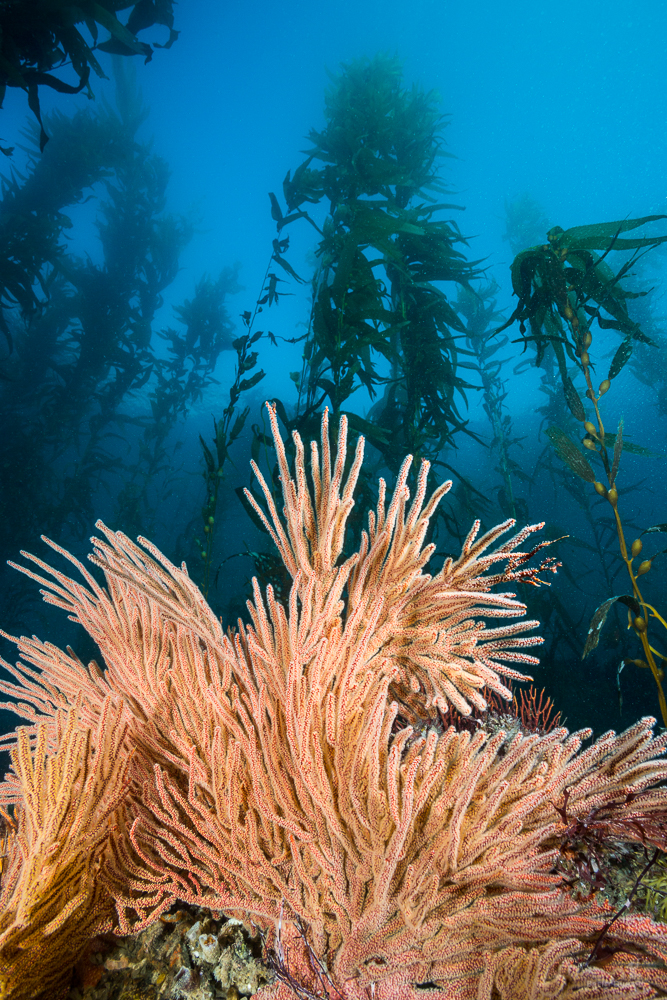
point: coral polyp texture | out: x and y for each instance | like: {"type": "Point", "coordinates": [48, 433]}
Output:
{"type": "Point", "coordinates": [295, 772]}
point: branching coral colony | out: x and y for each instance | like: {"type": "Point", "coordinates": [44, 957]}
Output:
{"type": "Point", "coordinates": [261, 771]}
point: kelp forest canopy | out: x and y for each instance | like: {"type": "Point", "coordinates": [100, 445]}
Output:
{"type": "Point", "coordinates": [37, 42]}
{"type": "Point", "coordinates": [387, 245]}
{"type": "Point", "coordinates": [106, 409]}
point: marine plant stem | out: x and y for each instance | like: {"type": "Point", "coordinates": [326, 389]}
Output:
{"type": "Point", "coordinates": [638, 623]}
{"type": "Point", "coordinates": [639, 630]}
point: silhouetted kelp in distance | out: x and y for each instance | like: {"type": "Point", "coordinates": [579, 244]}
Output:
{"type": "Point", "coordinates": [526, 222]}
{"type": "Point", "coordinates": [226, 431]}
{"type": "Point", "coordinates": [86, 148]}
{"type": "Point", "coordinates": [478, 309]}
{"type": "Point", "coordinates": [85, 347]}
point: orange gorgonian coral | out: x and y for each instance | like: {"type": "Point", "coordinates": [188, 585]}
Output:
{"type": "Point", "coordinates": [263, 773]}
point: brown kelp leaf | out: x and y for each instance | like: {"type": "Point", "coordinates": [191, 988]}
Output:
{"type": "Point", "coordinates": [600, 236]}
{"type": "Point", "coordinates": [573, 399]}
{"type": "Point", "coordinates": [119, 32]}
{"type": "Point", "coordinates": [276, 210]}
{"type": "Point", "coordinates": [570, 454]}
{"type": "Point", "coordinates": [632, 449]}
{"type": "Point", "coordinates": [249, 383]}
{"type": "Point", "coordinates": [239, 423]}
{"type": "Point", "coordinates": [621, 357]}
{"type": "Point", "coordinates": [600, 617]}
{"type": "Point", "coordinates": [210, 464]}
{"type": "Point", "coordinates": [286, 266]}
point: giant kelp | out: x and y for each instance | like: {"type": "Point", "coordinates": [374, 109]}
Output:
{"type": "Point", "coordinates": [547, 280]}
{"type": "Point", "coordinates": [564, 288]}
{"type": "Point", "coordinates": [83, 343]}
{"type": "Point", "coordinates": [380, 318]}
{"type": "Point", "coordinates": [33, 44]}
